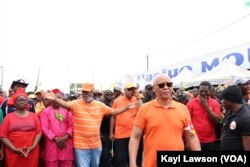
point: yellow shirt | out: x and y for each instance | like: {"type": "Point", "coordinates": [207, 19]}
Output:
{"type": "Point", "coordinates": [39, 107]}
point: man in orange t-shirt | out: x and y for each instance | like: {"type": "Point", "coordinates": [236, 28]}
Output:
{"type": "Point", "coordinates": [123, 124]}
{"type": "Point", "coordinates": [87, 115]}
{"type": "Point", "coordinates": [163, 122]}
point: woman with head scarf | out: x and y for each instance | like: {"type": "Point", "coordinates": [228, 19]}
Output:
{"type": "Point", "coordinates": [21, 132]}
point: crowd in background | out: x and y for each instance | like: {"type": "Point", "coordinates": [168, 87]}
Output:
{"type": "Point", "coordinates": [123, 126]}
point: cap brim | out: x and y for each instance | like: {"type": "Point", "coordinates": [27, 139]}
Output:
{"type": "Point", "coordinates": [130, 87]}
{"type": "Point", "coordinates": [38, 92]}
{"type": "Point", "coordinates": [86, 90]}
{"type": "Point", "coordinates": [16, 83]}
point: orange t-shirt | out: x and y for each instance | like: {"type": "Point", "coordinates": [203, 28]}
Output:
{"type": "Point", "coordinates": [124, 122]}
{"type": "Point", "coordinates": [87, 121]}
{"type": "Point", "coordinates": [163, 128]}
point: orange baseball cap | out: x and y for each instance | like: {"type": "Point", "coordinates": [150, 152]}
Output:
{"type": "Point", "coordinates": [88, 87]}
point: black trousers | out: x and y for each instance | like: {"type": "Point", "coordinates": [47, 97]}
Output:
{"type": "Point", "coordinates": [105, 160]}
{"type": "Point", "coordinates": [209, 146]}
{"type": "Point", "coordinates": [121, 155]}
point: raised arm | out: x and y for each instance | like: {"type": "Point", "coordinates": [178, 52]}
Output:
{"type": "Point", "coordinates": [125, 108]}
{"type": "Point", "coordinates": [52, 96]}
{"type": "Point", "coordinates": [215, 115]}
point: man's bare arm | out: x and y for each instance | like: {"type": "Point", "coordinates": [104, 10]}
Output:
{"type": "Point", "coordinates": [192, 140]}
{"type": "Point", "coordinates": [134, 144]}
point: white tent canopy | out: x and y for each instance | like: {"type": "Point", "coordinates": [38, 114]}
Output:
{"type": "Point", "coordinates": [224, 73]}
{"type": "Point", "coordinates": [184, 78]}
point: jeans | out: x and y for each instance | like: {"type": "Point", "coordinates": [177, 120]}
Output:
{"type": "Point", "coordinates": [88, 157]}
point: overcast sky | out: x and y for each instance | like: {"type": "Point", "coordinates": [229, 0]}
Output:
{"type": "Point", "coordinates": [101, 41]}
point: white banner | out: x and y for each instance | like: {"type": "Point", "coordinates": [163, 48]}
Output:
{"type": "Point", "coordinates": [239, 55]}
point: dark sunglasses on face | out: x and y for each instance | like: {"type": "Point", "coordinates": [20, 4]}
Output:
{"type": "Point", "coordinates": [85, 92]}
{"type": "Point", "coordinates": [131, 89]}
{"type": "Point", "coordinates": [162, 85]}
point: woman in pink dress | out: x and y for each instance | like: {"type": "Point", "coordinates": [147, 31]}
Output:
{"type": "Point", "coordinates": [57, 127]}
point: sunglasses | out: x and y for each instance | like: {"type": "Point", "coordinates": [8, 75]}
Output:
{"type": "Point", "coordinates": [131, 89]}
{"type": "Point", "coordinates": [162, 85]}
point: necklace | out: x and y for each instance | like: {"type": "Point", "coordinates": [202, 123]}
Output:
{"type": "Point", "coordinates": [58, 115]}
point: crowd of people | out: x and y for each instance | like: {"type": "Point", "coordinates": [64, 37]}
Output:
{"type": "Point", "coordinates": [121, 127]}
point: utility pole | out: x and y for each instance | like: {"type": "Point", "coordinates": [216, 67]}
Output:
{"type": "Point", "coordinates": [1, 76]}
{"type": "Point", "coordinates": [147, 62]}
{"type": "Point", "coordinates": [37, 80]}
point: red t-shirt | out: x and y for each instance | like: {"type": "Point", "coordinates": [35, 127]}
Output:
{"type": "Point", "coordinates": [203, 126]}
{"type": "Point", "coordinates": [1, 100]}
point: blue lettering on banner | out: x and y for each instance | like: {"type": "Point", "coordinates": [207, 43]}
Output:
{"type": "Point", "coordinates": [188, 67]}
{"type": "Point", "coordinates": [205, 65]}
{"type": "Point", "coordinates": [175, 73]}
{"type": "Point", "coordinates": [164, 71]}
{"type": "Point", "coordinates": [200, 66]}
{"type": "Point", "coordinates": [239, 58]}
{"type": "Point", "coordinates": [148, 77]}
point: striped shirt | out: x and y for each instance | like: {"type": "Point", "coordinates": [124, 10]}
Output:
{"type": "Point", "coordinates": [87, 121]}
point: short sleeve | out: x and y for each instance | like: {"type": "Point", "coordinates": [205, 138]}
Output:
{"type": "Point", "coordinates": [187, 119]}
{"type": "Point", "coordinates": [140, 119]}
{"type": "Point", "coordinates": [245, 130]}
{"type": "Point", "coordinates": [216, 107]}
{"type": "Point", "coordinates": [106, 109]}
{"type": "Point", "coordinates": [72, 105]}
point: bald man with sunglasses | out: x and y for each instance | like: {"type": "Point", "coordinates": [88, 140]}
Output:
{"type": "Point", "coordinates": [163, 122]}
